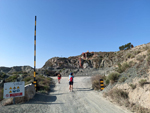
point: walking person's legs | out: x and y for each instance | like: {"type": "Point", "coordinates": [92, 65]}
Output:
{"type": "Point", "coordinates": [71, 87]}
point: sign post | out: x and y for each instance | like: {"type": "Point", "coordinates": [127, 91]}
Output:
{"type": "Point", "coordinates": [14, 89]}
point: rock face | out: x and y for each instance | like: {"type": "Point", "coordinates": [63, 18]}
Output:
{"type": "Point", "coordinates": [60, 63]}
{"type": "Point", "coordinates": [99, 59]}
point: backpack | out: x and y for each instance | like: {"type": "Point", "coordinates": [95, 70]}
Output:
{"type": "Point", "coordinates": [71, 79]}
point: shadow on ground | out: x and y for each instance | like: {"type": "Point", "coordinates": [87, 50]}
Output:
{"type": "Point", "coordinates": [42, 99]}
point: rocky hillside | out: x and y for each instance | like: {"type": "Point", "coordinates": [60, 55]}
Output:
{"type": "Point", "coordinates": [132, 66]}
{"type": "Point", "coordinates": [27, 69]}
{"type": "Point", "coordinates": [128, 80]}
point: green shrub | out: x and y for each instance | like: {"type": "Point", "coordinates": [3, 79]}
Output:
{"type": "Point", "coordinates": [3, 75]}
{"type": "Point", "coordinates": [123, 67]}
{"type": "Point", "coordinates": [43, 83]}
{"type": "Point", "coordinates": [123, 79]}
{"type": "Point", "coordinates": [113, 77]}
{"type": "Point", "coordinates": [125, 47]}
{"type": "Point", "coordinates": [28, 78]}
{"type": "Point", "coordinates": [107, 81]}
{"type": "Point", "coordinates": [142, 82]}
{"type": "Point", "coordinates": [132, 86]}
{"type": "Point", "coordinates": [12, 78]}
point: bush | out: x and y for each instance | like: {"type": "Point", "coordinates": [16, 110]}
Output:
{"type": "Point", "coordinates": [139, 109]}
{"type": "Point", "coordinates": [148, 59]}
{"type": "Point", "coordinates": [140, 58]}
{"type": "Point", "coordinates": [12, 78]}
{"type": "Point", "coordinates": [43, 84]}
{"type": "Point", "coordinates": [142, 82]}
{"type": "Point", "coordinates": [129, 55]}
{"type": "Point", "coordinates": [113, 77]}
{"type": "Point", "coordinates": [131, 63]}
{"type": "Point", "coordinates": [132, 86]}
{"type": "Point", "coordinates": [126, 46]}
{"type": "Point", "coordinates": [123, 67]}
{"type": "Point", "coordinates": [107, 82]}
{"type": "Point", "coordinates": [137, 52]}
{"type": "Point", "coordinates": [119, 96]}
{"type": "Point", "coordinates": [28, 79]}
{"type": "Point", "coordinates": [148, 52]}
{"type": "Point", "coordinates": [146, 47]}
{"type": "Point", "coordinates": [123, 79]}
{"type": "Point", "coordinates": [95, 81]}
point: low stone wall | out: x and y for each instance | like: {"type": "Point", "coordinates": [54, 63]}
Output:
{"type": "Point", "coordinates": [29, 91]}
{"type": "Point", "coordinates": [29, 94]}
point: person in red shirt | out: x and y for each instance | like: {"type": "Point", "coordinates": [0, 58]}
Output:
{"type": "Point", "coordinates": [59, 77]}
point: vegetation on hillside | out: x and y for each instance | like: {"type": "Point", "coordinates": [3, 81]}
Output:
{"type": "Point", "coordinates": [126, 46]}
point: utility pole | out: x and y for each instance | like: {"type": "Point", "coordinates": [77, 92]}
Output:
{"type": "Point", "coordinates": [35, 81]}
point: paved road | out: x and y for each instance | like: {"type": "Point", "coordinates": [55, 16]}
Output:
{"type": "Point", "coordinates": [60, 100]}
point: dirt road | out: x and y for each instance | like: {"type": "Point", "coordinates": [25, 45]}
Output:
{"type": "Point", "coordinates": [60, 100]}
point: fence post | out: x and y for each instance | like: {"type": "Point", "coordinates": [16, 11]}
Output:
{"type": "Point", "coordinates": [101, 84]}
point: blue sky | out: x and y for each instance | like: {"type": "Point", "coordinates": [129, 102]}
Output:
{"type": "Point", "coordinates": [69, 27]}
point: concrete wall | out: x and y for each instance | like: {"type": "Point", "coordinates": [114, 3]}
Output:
{"type": "Point", "coordinates": [29, 91]}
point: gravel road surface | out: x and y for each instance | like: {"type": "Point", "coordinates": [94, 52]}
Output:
{"type": "Point", "coordinates": [60, 100]}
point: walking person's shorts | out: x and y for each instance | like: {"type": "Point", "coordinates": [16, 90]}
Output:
{"type": "Point", "coordinates": [70, 83]}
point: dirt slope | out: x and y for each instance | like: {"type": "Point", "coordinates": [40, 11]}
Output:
{"type": "Point", "coordinates": [60, 100]}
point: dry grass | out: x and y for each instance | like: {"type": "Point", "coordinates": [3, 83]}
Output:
{"type": "Point", "coordinates": [138, 108]}
{"type": "Point", "coordinates": [43, 83]}
{"type": "Point", "coordinates": [148, 59]}
{"type": "Point", "coordinates": [129, 55]}
{"type": "Point", "coordinates": [123, 67]}
{"type": "Point", "coordinates": [131, 63]}
{"type": "Point", "coordinates": [119, 96]}
{"type": "Point", "coordinates": [142, 82]}
{"type": "Point", "coordinates": [148, 52]}
{"type": "Point", "coordinates": [132, 86]}
{"type": "Point", "coordinates": [137, 52]}
{"type": "Point", "coordinates": [113, 77]}
{"type": "Point", "coordinates": [123, 79]}
{"type": "Point", "coordinates": [140, 58]}
{"type": "Point", "coordinates": [95, 81]}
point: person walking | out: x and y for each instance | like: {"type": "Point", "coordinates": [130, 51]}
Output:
{"type": "Point", "coordinates": [59, 77]}
{"type": "Point", "coordinates": [71, 82]}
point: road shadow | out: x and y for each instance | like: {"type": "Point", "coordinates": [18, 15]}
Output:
{"type": "Point", "coordinates": [42, 99]}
